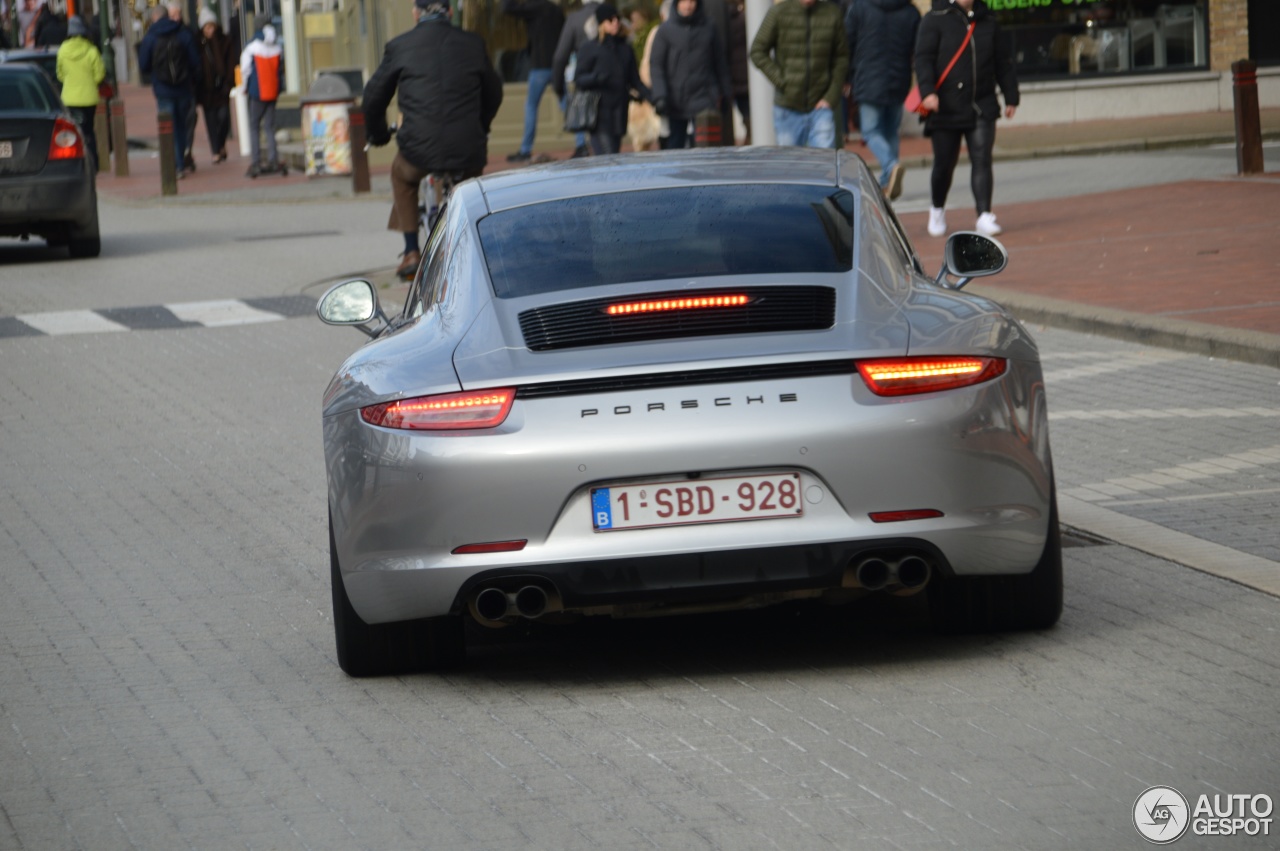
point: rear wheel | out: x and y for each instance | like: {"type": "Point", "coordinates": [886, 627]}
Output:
{"type": "Point", "coordinates": [404, 647]}
{"type": "Point", "coordinates": [999, 603]}
{"type": "Point", "coordinates": [83, 240]}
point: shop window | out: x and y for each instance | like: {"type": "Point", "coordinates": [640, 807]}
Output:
{"type": "Point", "coordinates": [1264, 25]}
{"type": "Point", "coordinates": [1068, 38]}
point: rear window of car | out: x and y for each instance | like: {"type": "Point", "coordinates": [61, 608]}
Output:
{"type": "Point", "coordinates": [25, 92]}
{"type": "Point", "coordinates": [664, 234]}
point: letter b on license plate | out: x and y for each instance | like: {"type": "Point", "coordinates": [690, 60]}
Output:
{"type": "Point", "coordinates": [691, 501]}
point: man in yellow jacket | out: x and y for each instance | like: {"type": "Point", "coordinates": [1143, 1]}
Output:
{"type": "Point", "coordinates": [80, 69]}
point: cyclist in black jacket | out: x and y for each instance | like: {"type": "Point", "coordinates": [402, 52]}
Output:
{"type": "Point", "coordinates": [448, 94]}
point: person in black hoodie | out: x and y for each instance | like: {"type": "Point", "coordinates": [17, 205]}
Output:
{"type": "Point", "coordinates": [964, 107]}
{"type": "Point", "coordinates": [608, 65]}
{"type": "Point", "coordinates": [882, 37]}
{"type": "Point", "coordinates": [51, 25]}
{"type": "Point", "coordinates": [219, 58]}
{"type": "Point", "coordinates": [544, 21]}
{"type": "Point", "coordinates": [448, 93]}
{"type": "Point", "coordinates": [689, 70]}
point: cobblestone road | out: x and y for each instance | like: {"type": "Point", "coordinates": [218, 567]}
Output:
{"type": "Point", "coordinates": [167, 677]}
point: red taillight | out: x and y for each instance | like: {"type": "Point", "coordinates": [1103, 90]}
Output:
{"type": "Point", "coordinates": [490, 547]}
{"type": "Point", "coordinates": [479, 409]}
{"type": "Point", "coordinates": [66, 143]}
{"type": "Point", "coordinates": [901, 516]}
{"type": "Point", "coordinates": [907, 376]}
{"type": "Point", "coordinates": [664, 304]}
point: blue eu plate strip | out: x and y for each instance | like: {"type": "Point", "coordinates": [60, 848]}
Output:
{"type": "Point", "coordinates": [601, 511]}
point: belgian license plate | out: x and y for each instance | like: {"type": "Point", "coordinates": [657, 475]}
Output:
{"type": "Point", "coordinates": [696, 501]}
{"type": "Point", "coordinates": [6, 150]}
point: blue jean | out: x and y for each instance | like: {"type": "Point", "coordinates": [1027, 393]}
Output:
{"type": "Point", "coordinates": [815, 129]}
{"type": "Point", "coordinates": [178, 107]}
{"type": "Point", "coordinates": [879, 125]}
{"type": "Point", "coordinates": [539, 79]}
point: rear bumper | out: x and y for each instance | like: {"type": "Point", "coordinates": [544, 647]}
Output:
{"type": "Point", "coordinates": [651, 584]}
{"type": "Point", "coordinates": [60, 195]}
{"type": "Point", "coordinates": [401, 503]}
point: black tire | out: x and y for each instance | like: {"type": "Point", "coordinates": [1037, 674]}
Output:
{"type": "Point", "coordinates": [83, 240]}
{"type": "Point", "coordinates": [404, 647]}
{"type": "Point", "coordinates": [1003, 603]}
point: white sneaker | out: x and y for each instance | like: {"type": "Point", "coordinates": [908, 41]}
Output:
{"type": "Point", "coordinates": [937, 221]}
{"type": "Point", "coordinates": [987, 224]}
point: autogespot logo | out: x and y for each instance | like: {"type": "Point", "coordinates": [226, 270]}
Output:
{"type": "Point", "coordinates": [1161, 815]}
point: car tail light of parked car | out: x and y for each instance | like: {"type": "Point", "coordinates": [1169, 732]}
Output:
{"type": "Point", "coordinates": [66, 144]}
{"type": "Point", "coordinates": [909, 376]}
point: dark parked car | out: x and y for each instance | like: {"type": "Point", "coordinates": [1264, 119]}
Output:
{"type": "Point", "coordinates": [674, 383]}
{"type": "Point", "coordinates": [45, 57]}
{"type": "Point", "coordinates": [46, 181]}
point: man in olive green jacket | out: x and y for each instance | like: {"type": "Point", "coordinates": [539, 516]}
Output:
{"type": "Point", "coordinates": [801, 48]}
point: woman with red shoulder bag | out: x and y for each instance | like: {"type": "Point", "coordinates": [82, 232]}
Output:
{"type": "Point", "coordinates": [963, 36]}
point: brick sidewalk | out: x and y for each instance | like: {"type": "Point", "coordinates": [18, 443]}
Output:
{"type": "Point", "coordinates": [1203, 251]}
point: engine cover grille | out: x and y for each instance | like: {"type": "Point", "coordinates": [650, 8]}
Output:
{"type": "Point", "coordinates": [586, 323]}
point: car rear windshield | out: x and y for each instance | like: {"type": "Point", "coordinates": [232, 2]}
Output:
{"type": "Point", "coordinates": [662, 234]}
{"type": "Point", "coordinates": [24, 93]}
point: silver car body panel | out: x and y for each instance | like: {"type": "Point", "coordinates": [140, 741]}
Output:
{"type": "Point", "coordinates": [402, 501]}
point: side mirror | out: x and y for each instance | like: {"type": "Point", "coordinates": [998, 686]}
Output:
{"type": "Point", "coordinates": [971, 255]}
{"type": "Point", "coordinates": [351, 303]}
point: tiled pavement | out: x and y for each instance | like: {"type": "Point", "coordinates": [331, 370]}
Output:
{"type": "Point", "coordinates": [1191, 475]}
{"type": "Point", "coordinates": [167, 676]}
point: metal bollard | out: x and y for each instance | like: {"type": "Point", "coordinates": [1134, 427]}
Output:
{"type": "Point", "coordinates": [1244, 75]}
{"type": "Point", "coordinates": [359, 150]}
{"type": "Point", "coordinates": [120, 135]}
{"type": "Point", "coordinates": [168, 171]}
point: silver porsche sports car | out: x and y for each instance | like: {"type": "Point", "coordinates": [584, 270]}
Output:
{"type": "Point", "coordinates": [675, 383]}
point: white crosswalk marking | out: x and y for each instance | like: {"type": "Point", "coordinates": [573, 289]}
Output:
{"type": "Point", "coordinates": [1172, 477]}
{"type": "Point", "coordinates": [70, 322]}
{"type": "Point", "coordinates": [1110, 362]}
{"type": "Point", "coordinates": [214, 314]}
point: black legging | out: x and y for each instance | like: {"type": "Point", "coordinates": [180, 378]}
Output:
{"type": "Point", "coordinates": [604, 142]}
{"type": "Point", "coordinates": [946, 153]}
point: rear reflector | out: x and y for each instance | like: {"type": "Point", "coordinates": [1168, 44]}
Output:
{"type": "Point", "coordinates": [490, 547]}
{"type": "Point", "coordinates": [479, 409]}
{"type": "Point", "coordinates": [907, 376]}
{"type": "Point", "coordinates": [658, 306]}
{"type": "Point", "coordinates": [900, 516]}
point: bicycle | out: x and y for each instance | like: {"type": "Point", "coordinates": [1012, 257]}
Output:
{"type": "Point", "coordinates": [433, 195]}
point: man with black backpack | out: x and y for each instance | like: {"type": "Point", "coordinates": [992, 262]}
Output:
{"type": "Point", "coordinates": [168, 53]}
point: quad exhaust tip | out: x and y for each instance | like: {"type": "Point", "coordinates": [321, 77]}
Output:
{"type": "Point", "coordinates": [903, 576]}
{"type": "Point", "coordinates": [873, 573]}
{"type": "Point", "coordinates": [493, 605]}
